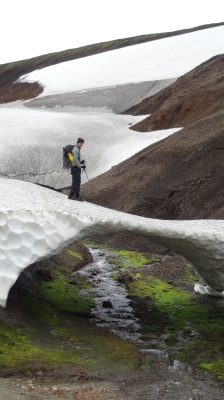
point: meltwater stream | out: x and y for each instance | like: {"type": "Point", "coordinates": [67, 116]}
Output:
{"type": "Point", "coordinates": [113, 309]}
{"type": "Point", "coordinates": [163, 376]}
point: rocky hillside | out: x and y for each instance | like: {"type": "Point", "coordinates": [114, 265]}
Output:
{"type": "Point", "coordinates": [190, 98]}
{"type": "Point", "coordinates": [180, 177]}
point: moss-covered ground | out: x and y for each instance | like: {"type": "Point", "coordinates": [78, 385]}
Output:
{"type": "Point", "coordinates": [192, 324]}
{"type": "Point", "coordinates": [194, 328]}
{"type": "Point", "coordinates": [47, 325]}
{"type": "Point", "coordinates": [50, 339]}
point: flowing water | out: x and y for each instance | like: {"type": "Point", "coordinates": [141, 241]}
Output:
{"type": "Point", "coordinates": [110, 356]}
{"type": "Point", "coordinates": [167, 378]}
{"type": "Point", "coordinates": [113, 309]}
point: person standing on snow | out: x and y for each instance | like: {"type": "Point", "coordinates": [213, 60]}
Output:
{"type": "Point", "coordinates": [76, 170]}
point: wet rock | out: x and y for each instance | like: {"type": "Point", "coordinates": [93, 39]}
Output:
{"type": "Point", "coordinates": [107, 304]}
{"type": "Point", "coordinates": [73, 282]}
{"type": "Point", "coordinates": [29, 374]}
{"type": "Point", "coordinates": [126, 277]}
{"type": "Point", "coordinates": [39, 374]}
{"type": "Point", "coordinates": [45, 274]}
{"type": "Point", "coordinates": [94, 272]}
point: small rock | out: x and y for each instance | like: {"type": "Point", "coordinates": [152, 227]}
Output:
{"type": "Point", "coordinates": [126, 277]}
{"type": "Point", "coordinates": [107, 304]}
{"type": "Point", "coordinates": [39, 374]}
{"type": "Point", "coordinates": [29, 374]}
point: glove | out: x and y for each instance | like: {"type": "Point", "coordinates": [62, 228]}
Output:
{"type": "Point", "coordinates": [82, 162]}
{"type": "Point", "coordinates": [83, 166]}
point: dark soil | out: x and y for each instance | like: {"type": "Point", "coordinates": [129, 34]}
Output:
{"type": "Point", "coordinates": [192, 97]}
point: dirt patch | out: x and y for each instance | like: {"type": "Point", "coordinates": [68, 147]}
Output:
{"type": "Point", "coordinates": [19, 91]}
{"type": "Point", "coordinates": [24, 388]}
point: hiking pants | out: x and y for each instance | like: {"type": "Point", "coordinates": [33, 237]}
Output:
{"type": "Point", "coordinates": [76, 181]}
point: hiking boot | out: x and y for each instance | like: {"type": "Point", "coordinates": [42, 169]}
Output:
{"type": "Point", "coordinates": [71, 197]}
{"type": "Point", "coordinates": [77, 196]}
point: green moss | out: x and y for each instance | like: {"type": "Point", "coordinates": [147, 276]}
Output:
{"type": "Point", "coordinates": [67, 297]}
{"type": "Point", "coordinates": [185, 315]}
{"type": "Point", "coordinates": [66, 291]}
{"type": "Point", "coordinates": [14, 347]}
{"type": "Point", "coordinates": [179, 304]}
{"type": "Point", "coordinates": [18, 351]}
{"type": "Point", "coordinates": [181, 355]}
{"type": "Point", "coordinates": [208, 352]}
{"type": "Point", "coordinates": [134, 259]}
{"type": "Point", "coordinates": [216, 367]}
{"type": "Point", "coordinates": [115, 260]}
{"type": "Point", "coordinates": [175, 311]}
{"type": "Point", "coordinates": [115, 276]}
{"type": "Point", "coordinates": [189, 275]}
{"type": "Point", "coordinates": [49, 339]}
{"type": "Point", "coordinates": [72, 253]}
{"type": "Point", "coordinates": [53, 332]}
{"type": "Point", "coordinates": [56, 339]}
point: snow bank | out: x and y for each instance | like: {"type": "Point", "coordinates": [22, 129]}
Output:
{"type": "Point", "coordinates": [157, 60]}
{"type": "Point", "coordinates": [36, 223]}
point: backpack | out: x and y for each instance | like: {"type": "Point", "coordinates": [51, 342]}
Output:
{"type": "Point", "coordinates": [66, 160]}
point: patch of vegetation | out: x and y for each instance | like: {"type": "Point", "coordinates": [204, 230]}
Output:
{"type": "Point", "coordinates": [49, 339]}
{"type": "Point", "coordinates": [170, 299]}
{"type": "Point", "coordinates": [115, 260]}
{"type": "Point", "coordinates": [129, 259]}
{"type": "Point", "coordinates": [67, 296]}
{"type": "Point", "coordinates": [188, 317]}
{"type": "Point", "coordinates": [134, 259]}
{"type": "Point", "coordinates": [216, 367]}
{"type": "Point", "coordinates": [15, 346]}
{"type": "Point", "coordinates": [66, 290]}
{"type": "Point", "coordinates": [189, 275]}
{"type": "Point", "coordinates": [53, 334]}
{"type": "Point", "coordinates": [74, 254]}
{"type": "Point", "coordinates": [174, 311]}
{"type": "Point", "coordinates": [53, 329]}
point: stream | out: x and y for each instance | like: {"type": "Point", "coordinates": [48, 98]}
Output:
{"type": "Point", "coordinates": [167, 377]}
{"type": "Point", "coordinates": [113, 309]}
{"type": "Point", "coordinates": [111, 355]}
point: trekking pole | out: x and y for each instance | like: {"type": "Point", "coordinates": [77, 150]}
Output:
{"type": "Point", "coordinates": [88, 180]}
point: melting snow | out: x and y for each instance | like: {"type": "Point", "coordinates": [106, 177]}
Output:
{"type": "Point", "coordinates": [43, 222]}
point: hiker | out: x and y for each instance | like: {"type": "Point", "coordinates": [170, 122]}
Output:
{"type": "Point", "coordinates": [76, 171]}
